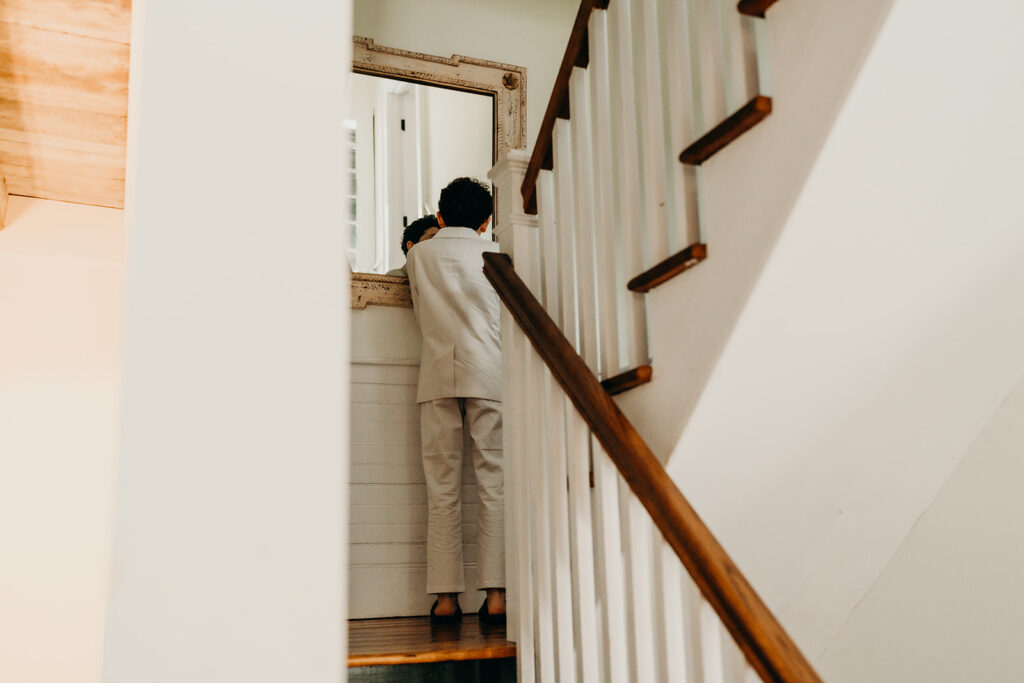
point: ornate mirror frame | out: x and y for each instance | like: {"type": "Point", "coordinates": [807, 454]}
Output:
{"type": "Point", "coordinates": [505, 83]}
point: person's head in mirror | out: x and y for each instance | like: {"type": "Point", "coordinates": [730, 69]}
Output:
{"type": "Point", "coordinates": [420, 230]}
{"type": "Point", "coordinates": [465, 203]}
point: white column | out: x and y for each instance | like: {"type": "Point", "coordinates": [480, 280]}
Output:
{"type": "Point", "coordinates": [230, 533]}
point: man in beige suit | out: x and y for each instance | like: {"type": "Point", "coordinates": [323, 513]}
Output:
{"type": "Point", "coordinates": [460, 386]}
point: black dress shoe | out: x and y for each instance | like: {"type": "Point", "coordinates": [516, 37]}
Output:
{"type": "Point", "coordinates": [490, 619]}
{"type": "Point", "coordinates": [442, 619]}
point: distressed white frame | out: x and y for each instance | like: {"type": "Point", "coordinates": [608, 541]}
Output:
{"type": "Point", "coordinates": [505, 83]}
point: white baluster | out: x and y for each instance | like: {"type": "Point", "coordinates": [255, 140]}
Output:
{"type": "Point", "coordinates": [734, 665]}
{"type": "Point", "coordinates": [612, 331]}
{"type": "Point", "coordinates": [669, 610]}
{"type": "Point", "coordinates": [711, 644]}
{"type": "Point", "coordinates": [582, 530]}
{"type": "Point", "coordinates": [706, 56]}
{"type": "Point", "coordinates": [751, 66]}
{"type": "Point", "coordinates": [692, 14]}
{"type": "Point", "coordinates": [738, 56]}
{"type": "Point", "coordinates": [653, 143]}
{"type": "Point", "coordinates": [555, 443]}
{"type": "Point", "coordinates": [586, 249]}
{"type": "Point", "coordinates": [550, 258]}
{"type": "Point", "coordinates": [520, 497]}
{"type": "Point", "coordinates": [678, 115]}
{"type": "Point", "coordinates": [535, 457]}
{"type": "Point", "coordinates": [727, 57]}
{"type": "Point", "coordinates": [575, 627]}
{"type": "Point", "coordinates": [516, 233]}
{"type": "Point", "coordinates": [609, 567]}
{"type": "Point", "coordinates": [629, 225]}
{"type": "Point", "coordinates": [558, 517]}
{"type": "Point", "coordinates": [692, 601]}
{"type": "Point", "coordinates": [762, 45]}
{"type": "Point", "coordinates": [689, 13]}
{"type": "Point", "coordinates": [518, 577]}
{"type": "Point", "coordinates": [637, 547]}
{"type": "Point", "coordinates": [565, 221]}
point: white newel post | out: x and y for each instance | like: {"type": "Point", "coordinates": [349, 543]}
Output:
{"type": "Point", "coordinates": [516, 232]}
{"type": "Point", "coordinates": [512, 225]}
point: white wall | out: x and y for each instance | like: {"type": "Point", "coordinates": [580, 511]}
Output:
{"type": "Point", "coordinates": [458, 138]}
{"type": "Point", "coordinates": [230, 533]}
{"type": "Point", "coordinates": [60, 302]}
{"type": "Point", "coordinates": [887, 323]}
{"type": "Point", "coordinates": [949, 606]}
{"type": "Point", "coordinates": [530, 33]}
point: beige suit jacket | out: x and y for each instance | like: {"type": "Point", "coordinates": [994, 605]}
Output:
{"type": "Point", "coordinates": [459, 316]}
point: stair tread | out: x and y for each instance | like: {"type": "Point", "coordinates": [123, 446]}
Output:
{"type": "Point", "coordinates": [754, 8]}
{"type": "Point", "coordinates": [624, 381]}
{"type": "Point", "coordinates": [669, 268]}
{"type": "Point", "coordinates": [748, 116]}
{"type": "Point", "coordinates": [412, 640]}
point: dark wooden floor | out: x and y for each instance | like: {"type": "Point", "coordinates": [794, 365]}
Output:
{"type": "Point", "coordinates": [412, 640]}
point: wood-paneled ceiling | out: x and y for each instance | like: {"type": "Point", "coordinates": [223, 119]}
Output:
{"type": "Point", "coordinates": [64, 98]}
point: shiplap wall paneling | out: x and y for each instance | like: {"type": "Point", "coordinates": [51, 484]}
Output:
{"type": "Point", "coordinates": [388, 523]}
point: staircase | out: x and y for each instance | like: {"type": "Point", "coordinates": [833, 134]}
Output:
{"type": "Point", "coordinates": [717, 583]}
{"type": "Point", "coordinates": [642, 77]}
{"type": "Point", "coordinates": [636, 274]}
{"type": "Point", "coordinates": [606, 209]}
{"type": "Point", "coordinates": [656, 272]}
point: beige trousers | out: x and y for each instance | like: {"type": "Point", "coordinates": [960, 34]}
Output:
{"type": "Point", "coordinates": [441, 425]}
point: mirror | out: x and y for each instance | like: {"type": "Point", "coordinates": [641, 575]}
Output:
{"type": "Point", "coordinates": [460, 115]}
{"type": "Point", "coordinates": [406, 142]}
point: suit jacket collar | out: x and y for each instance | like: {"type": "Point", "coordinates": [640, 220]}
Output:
{"type": "Point", "coordinates": [456, 232]}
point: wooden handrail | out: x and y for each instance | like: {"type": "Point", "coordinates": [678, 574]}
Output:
{"type": "Point", "coordinates": [767, 647]}
{"type": "Point", "coordinates": [577, 53]}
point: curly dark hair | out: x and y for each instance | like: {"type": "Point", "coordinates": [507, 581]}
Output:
{"type": "Point", "coordinates": [465, 203]}
{"type": "Point", "coordinates": [414, 231]}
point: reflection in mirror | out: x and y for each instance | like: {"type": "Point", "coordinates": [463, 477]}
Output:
{"type": "Point", "coordinates": [406, 142]}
